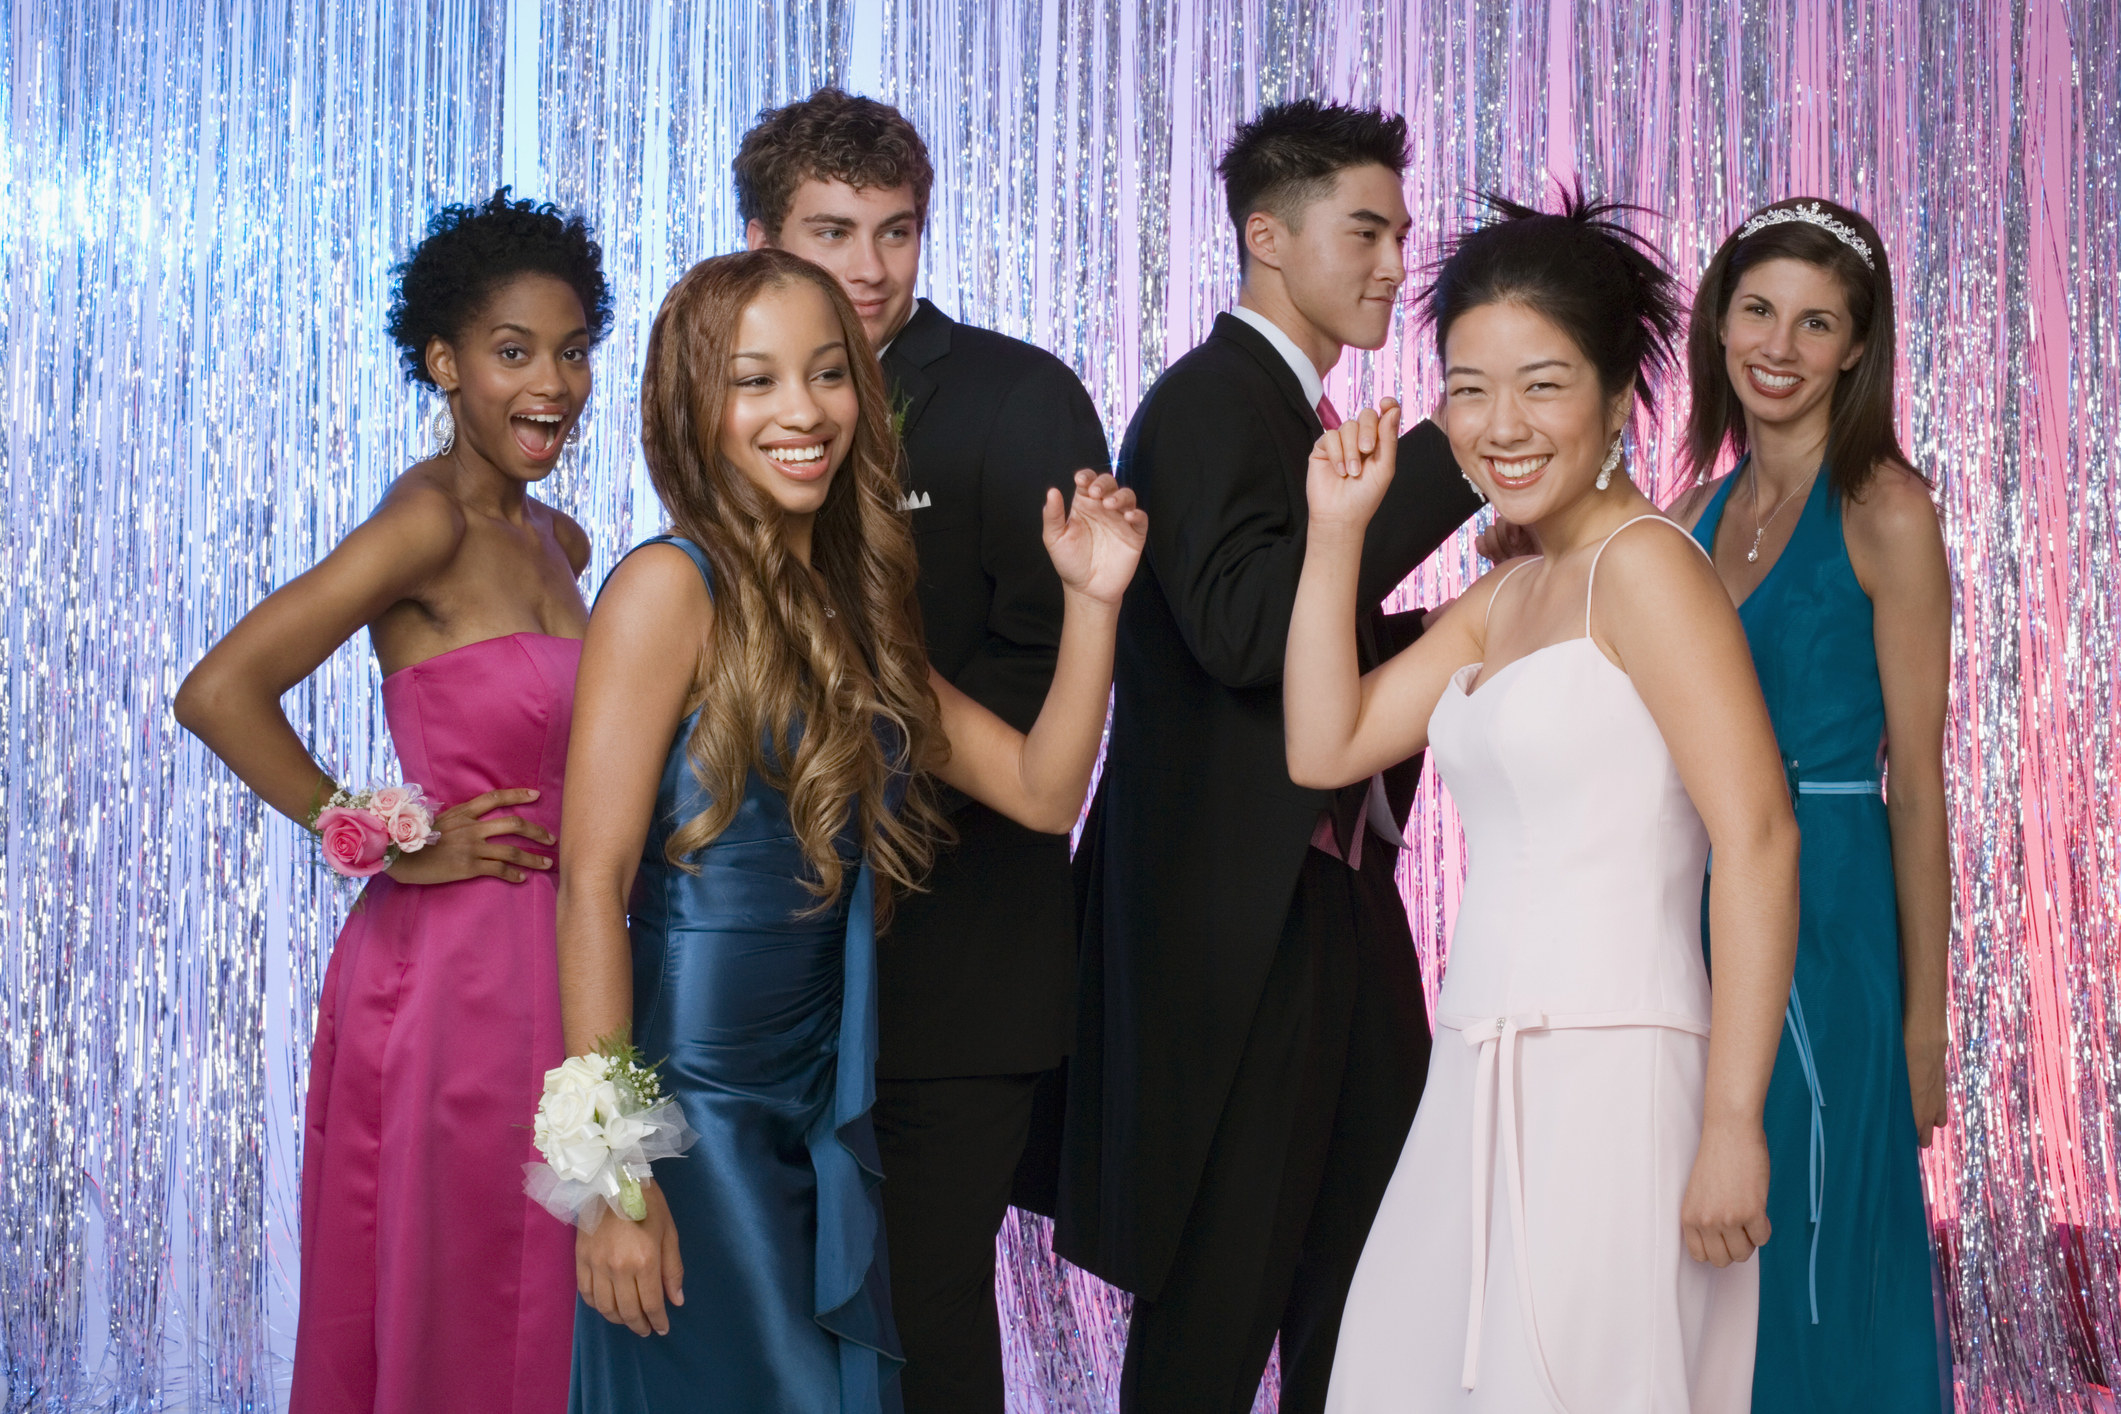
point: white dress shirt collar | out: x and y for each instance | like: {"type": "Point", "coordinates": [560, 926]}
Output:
{"type": "Point", "coordinates": [1299, 362]}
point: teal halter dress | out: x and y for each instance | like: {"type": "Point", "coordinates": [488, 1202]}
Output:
{"type": "Point", "coordinates": [763, 1014]}
{"type": "Point", "coordinates": [1847, 1320]}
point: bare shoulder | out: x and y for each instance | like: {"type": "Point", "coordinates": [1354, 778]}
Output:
{"type": "Point", "coordinates": [655, 580]}
{"type": "Point", "coordinates": [573, 540]}
{"type": "Point", "coordinates": [420, 521]}
{"type": "Point", "coordinates": [1896, 509]}
{"type": "Point", "coordinates": [419, 495]}
{"type": "Point", "coordinates": [1895, 539]}
{"type": "Point", "coordinates": [1650, 561]}
{"type": "Point", "coordinates": [1481, 592]}
{"type": "Point", "coordinates": [646, 650]}
{"type": "Point", "coordinates": [1690, 503]}
{"type": "Point", "coordinates": [1468, 613]}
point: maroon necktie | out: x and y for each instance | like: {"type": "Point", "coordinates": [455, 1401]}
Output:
{"type": "Point", "coordinates": [1326, 414]}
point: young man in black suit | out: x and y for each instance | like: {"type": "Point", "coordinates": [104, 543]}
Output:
{"type": "Point", "coordinates": [1252, 1037]}
{"type": "Point", "coordinates": [977, 975]}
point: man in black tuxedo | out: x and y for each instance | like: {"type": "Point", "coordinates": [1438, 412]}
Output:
{"type": "Point", "coordinates": [977, 975]}
{"type": "Point", "coordinates": [1252, 1037]}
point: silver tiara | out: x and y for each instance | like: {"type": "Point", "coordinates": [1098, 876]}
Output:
{"type": "Point", "coordinates": [1811, 215]}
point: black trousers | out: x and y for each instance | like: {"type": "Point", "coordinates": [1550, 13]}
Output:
{"type": "Point", "coordinates": [1309, 1136]}
{"type": "Point", "coordinates": [950, 1150]}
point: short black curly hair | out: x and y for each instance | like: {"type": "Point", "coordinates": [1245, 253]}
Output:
{"type": "Point", "coordinates": [470, 251]}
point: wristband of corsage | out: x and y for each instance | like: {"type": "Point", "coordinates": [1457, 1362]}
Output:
{"type": "Point", "coordinates": [601, 1122]}
{"type": "Point", "coordinates": [362, 833]}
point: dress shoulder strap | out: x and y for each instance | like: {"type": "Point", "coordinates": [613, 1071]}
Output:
{"type": "Point", "coordinates": [692, 552]}
{"type": "Point", "coordinates": [1488, 617]}
{"type": "Point", "coordinates": [1711, 516]}
{"type": "Point", "coordinates": [1592, 582]}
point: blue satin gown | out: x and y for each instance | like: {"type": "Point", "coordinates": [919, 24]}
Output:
{"type": "Point", "coordinates": [752, 1008]}
{"type": "Point", "coordinates": [1847, 1319]}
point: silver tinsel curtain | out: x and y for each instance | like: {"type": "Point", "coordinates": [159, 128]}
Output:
{"type": "Point", "coordinates": [199, 206]}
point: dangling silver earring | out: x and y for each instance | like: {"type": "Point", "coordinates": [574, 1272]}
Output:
{"type": "Point", "coordinates": [442, 429]}
{"type": "Point", "coordinates": [1612, 460]}
{"type": "Point", "coordinates": [1475, 485]}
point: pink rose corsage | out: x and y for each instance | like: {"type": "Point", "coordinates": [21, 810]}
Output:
{"type": "Point", "coordinates": [362, 833]}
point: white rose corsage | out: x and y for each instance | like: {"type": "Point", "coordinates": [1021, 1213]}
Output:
{"type": "Point", "coordinates": [601, 1122]}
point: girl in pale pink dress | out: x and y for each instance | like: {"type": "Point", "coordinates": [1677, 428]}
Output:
{"type": "Point", "coordinates": [429, 1281]}
{"type": "Point", "coordinates": [1571, 1220]}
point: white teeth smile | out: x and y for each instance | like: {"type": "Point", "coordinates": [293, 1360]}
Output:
{"type": "Point", "coordinates": [1517, 468]}
{"type": "Point", "coordinates": [549, 417]}
{"type": "Point", "coordinates": [796, 454]}
{"type": "Point", "coordinates": [1777, 381]}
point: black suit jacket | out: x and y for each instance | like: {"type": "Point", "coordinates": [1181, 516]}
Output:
{"type": "Point", "coordinates": [1190, 859]}
{"type": "Point", "coordinates": [977, 975]}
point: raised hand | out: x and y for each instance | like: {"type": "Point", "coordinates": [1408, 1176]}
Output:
{"type": "Point", "coordinates": [468, 847]}
{"type": "Point", "coordinates": [1098, 542]}
{"type": "Point", "coordinates": [1351, 467]}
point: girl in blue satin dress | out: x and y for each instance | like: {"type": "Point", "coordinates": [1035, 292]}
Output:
{"type": "Point", "coordinates": [1829, 544]}
{"type": "Point", "coordinates": [755, 728]}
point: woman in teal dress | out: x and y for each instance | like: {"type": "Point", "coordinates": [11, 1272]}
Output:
{"type": "Point", "coordinates": [755, 729]}
{"type": "Point", "coordinates": [1828, 541]}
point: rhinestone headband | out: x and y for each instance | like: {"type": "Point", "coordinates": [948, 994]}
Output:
{"type": "Point", "coordinates": [1813, 216]}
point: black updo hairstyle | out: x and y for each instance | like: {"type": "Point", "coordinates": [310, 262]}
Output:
{"type": "Point", "coordinates": [1860, 435]}
{"type": "Point", "coordinates": [1599, 282]}
{"type": "Point", "coordinates": [471, 251]}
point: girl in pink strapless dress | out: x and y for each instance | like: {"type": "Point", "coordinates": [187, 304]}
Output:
{"type": "Point", "coordinates": [428, 1277]}
{"type": "Point", "coordinates": [429, 1281]}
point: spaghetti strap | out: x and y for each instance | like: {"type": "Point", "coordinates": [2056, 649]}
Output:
{"type": "Point", "coordinates": [1592, 582]}
{"type": "Point", "coordinates": [1488, 616]}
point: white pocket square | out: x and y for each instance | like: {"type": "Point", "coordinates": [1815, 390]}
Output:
{"type": "Point", "coordinates": [914, 501]}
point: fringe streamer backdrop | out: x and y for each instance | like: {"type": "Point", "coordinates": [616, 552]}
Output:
{"type": "Point", "coordinates": [202, 204]}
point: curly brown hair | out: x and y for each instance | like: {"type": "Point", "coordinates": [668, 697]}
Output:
{"type": "Point", "coordinates": [830, 136]}
{"type": "Point", "coordinates": [784, 693]}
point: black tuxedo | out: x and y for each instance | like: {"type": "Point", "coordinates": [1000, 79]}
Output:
{"type": "Point", "coordinates": [1252, 1037]}
{"type": "Point", "coordinates": [976, 978]}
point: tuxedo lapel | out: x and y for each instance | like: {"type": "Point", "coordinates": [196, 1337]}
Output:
{"type": "Point", "coordinates": [1271, 363]}
{"type": "Point", "coordinates": [925, 339]}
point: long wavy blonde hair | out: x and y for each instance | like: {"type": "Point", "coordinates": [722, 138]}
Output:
{"type": "Point", "coordinates": [787, 693]}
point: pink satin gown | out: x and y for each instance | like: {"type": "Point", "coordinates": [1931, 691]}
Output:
{"type": "Point", "coordinates": [429, 1281]}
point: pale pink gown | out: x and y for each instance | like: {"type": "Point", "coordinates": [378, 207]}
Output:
{"type": "Point", "coordinates": [1528, 1254]}
{"type": "Point", "coordinates": [429, 1281]}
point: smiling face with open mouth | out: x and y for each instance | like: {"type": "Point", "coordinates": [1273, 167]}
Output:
{"type": "Point", "coordinates": [518, 377]}
{"type": "Point", "coordinates": [1524, 410]}
{"type": "Point", "coordinates": [792, 409]}
{"type": "Point", "coordinates": [1787, 339]}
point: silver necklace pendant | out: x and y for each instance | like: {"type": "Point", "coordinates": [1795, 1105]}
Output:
{"type": "Point", "coordinates": [1753, 554]}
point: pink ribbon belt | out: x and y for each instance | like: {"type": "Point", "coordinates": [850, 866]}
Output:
{"type": "Point", "coordinates": [1495, 1104]}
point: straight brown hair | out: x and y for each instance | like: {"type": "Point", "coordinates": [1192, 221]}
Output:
{"type": "Point", "coordinates": [1860, 435]}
